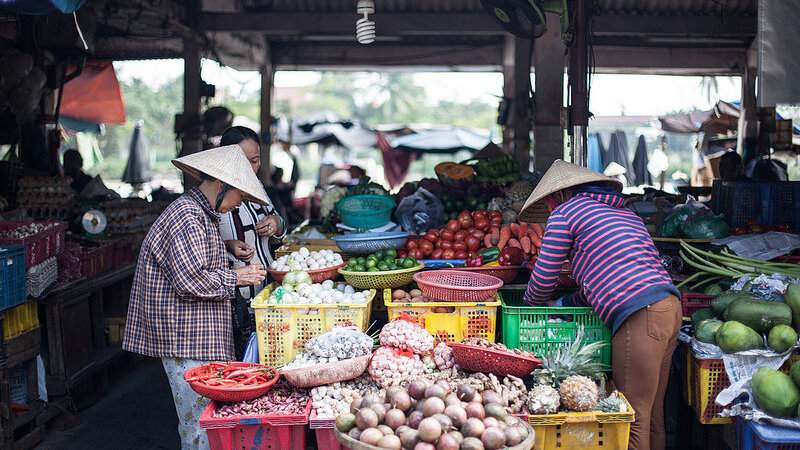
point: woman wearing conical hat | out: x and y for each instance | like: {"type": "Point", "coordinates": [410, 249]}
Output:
{"type": "Point", "coordinates": [180, 304]}
{"type": "Point", "coordinates": [620, 275]}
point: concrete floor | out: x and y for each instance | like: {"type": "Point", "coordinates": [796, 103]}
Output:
{"type": "Point", "coordinates": [137, 413]}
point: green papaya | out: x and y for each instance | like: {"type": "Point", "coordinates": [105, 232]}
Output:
{"type": "Point", "coordinates": [794, 372]}
{"type": "Point", "coordinates": [781, 338]}
{"type": "Point", "coordinates": [735, 337]}
{"type": "Point", "coordinates": [700, 316]}
{"type": "Point", "coordinates": [775, 392]}
{"type": "Point", "coordinates": [792, 298]}
{"type": "Point", "coordinates": [712, 289]}
{"type": "Point", "coordinates": [721, 301]}
{"type": "Point", "coordinates": [758, 313]}
{"type": "Point", "coordinates": [706, 331]}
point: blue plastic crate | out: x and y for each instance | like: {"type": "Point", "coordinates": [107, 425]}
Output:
{"type": "Point", "coordinates": [768, 203]}
{"type": "Point", "coordinates": [755, 436]}
{"type": "Point", "coordinates": [12, 276]}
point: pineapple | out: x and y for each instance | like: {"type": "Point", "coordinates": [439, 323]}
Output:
{"type": "Point", "coordinates": [570, 360]}
{"type": "Point", "coordinates": [543, 399]}
{"type": "Point", "coordinates": [612, 404]}
{"type": "Point", "coordinates": [578, 393]}
{"type": "Point", "coordinates": [520, 191]}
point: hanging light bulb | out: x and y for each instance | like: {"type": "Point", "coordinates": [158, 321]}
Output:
{"type": "Point", "coordinates": [365, 28]}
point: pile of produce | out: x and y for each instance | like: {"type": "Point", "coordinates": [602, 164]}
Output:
{"type": "Point", "coordinates": [304, 259]}
{"type": "Point", "coordinates": [334, 399]}
{"type": "Point", "coordinates": [282, 399]}
{"type": "Point", "coordinates": [332, 346]}
{"type": "Point", "coordinates": [227, 375]}
{"type": "Point", "coordinates": [431, 417]}
{"type": "Point", "coordinates": [24, 231]}
{"type": "Point", "coordinates": [306, 293]}
{"type": "Point", "coordinates": [406, 334]}
{"type": "Point", "coordinates": [381, 261]}
{"type": "Point", "coordinates": [693, 222]}
{"type": "Point", "coordinates": [738, 320]}
{"type": "Point", "coordinates": [485, 343]}
{"type": "Point", "coordinates": [501, 169]}
{"type": "Point", "coordinates": [461, 236]}
{"type": "Point", "coordinates": [569, 380]}
{"type": "Point", "coordinates": [391, 366]}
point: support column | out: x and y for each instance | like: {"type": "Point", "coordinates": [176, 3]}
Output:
{"type": "Point", "coordinates": [508, 91]}
{"type": "Point", "coordinates": [579, 96]}
{"type": "Point", "coordinates": [747, 135]}
{"type": "Point", "coordinates": [267, 85]}
{"type": "Point", "coordinates": [521, 104]}
{"type": "Point", "coordinates": [548, 65]}
{"type": "Point", "coordinates": [192, 135]}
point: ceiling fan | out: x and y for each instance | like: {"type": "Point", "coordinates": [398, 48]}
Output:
{"type": "Point", "coordinates": [526, 18]}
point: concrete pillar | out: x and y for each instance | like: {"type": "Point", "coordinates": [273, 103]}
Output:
{"type": "Point", "coordinates": [579, 96]}
{"type": "Point", "coordinates": [192, 137]}
{"type": "Point", "coordinates": [548, 65]}
{"type": "Point", "coordinates": [508, 89]}
{"type": "Point", "coordinates": [747, 135]}
{"type": "Point", "coordinates": [267, 85]}
{"type": "Point", "coordinates": [521, 104]}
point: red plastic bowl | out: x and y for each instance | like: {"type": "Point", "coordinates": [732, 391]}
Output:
{"type": "Point", "coordinates": [457, 285]}
{"type": "Point", "coordinates": [226, 394]}
{"type": "Point", "coordinates": [565, 279]}
{"type": "Point", "coordinates": [500, 363]}
{"type": "Point", "coordinates": [317, 276]}
{"type": "Point", "coordinates": [507, 274]}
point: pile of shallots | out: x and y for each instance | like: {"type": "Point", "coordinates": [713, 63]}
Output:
{"type": "Point", "coordinates": [281, 399]}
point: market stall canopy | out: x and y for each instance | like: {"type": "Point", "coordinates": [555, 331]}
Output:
{"type": "Point", "coordinates": [722, 117]}
{"type": "Point", "coordinates": [442, 141]}
{"type": "Point", "coordinates": [325, 127]}
{"type": "Point", "coordinates": [94, 96]}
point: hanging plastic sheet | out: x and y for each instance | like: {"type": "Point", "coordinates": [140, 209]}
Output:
{"type": "Point", "coordinates": [41, 7]}
{"type": "Point", "coordinates": [395, 162]}
{"type": "Point", "coordinates": [778, 65]}
{"type": "Point", "coordinates": [640, 161]}
{"type": "Point", "coordinates": [595, 156]}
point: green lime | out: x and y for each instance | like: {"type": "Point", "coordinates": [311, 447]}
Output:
{"type": "Point", "coordinates": [390, 253]}
{"type": "Point", "coordinates": [378, 254]}
{"type": "Point", "coordinates": [373, 269]}
{"type": "Point", "coordinates": [361, 260]}
{"type": "Point", "coordinates": [358, 268]}
{"type": "Point", "coordinates": [409, 263]}
{"type": "Point", "coordinates": [371, 262]}
{"type": "Point", "coordinates": [393, 266]}
{"type": "Point", "coordinates": [383, 266]}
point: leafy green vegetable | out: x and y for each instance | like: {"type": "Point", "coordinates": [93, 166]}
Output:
{"type": "Point", "coordinates": [705, 227]}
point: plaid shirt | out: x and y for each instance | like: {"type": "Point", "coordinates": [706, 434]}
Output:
{"type": "Point", "coordinates": [180, 298]}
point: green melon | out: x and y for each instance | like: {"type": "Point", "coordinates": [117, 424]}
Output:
{"type": "Point", "coordinates": [758, 313]}
{"type": "Point", "coordinates": [781, 338]}
{"type": "Point", "coordinates": [707, 330]}
{"type": "Point", "coordinates": [701, 316]}
{"type": "Point", "coordinates": [775, 392]}
{"type": "Point", "coordinates": [735, 337]}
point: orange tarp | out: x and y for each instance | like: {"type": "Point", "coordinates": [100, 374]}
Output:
{"type": "Point", "coordinates": [94, 96]}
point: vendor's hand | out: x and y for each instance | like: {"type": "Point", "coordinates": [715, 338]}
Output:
{"type": "Point", "coordinates": [250, 275]}
{"type": "Point", "coordinates": [240, 250]}
{"type": "Point", "coordinates": [268, 226]}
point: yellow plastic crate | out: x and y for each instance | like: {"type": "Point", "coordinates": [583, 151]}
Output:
{"type": "Point", "coordinates": [283, 330]}
{"type": "Point", "coordinates": [20, 320]}
{"type": "Point", "coordinates": [584, 430]}
{"type": "Point", "coordinates": [463, 319]}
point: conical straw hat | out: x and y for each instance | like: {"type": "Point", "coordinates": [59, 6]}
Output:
{"type": "Point", "coordinates": [560, 175]}
{"type": "Point", "coordinates": [227, 164]}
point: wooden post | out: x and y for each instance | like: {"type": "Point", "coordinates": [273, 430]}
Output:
{"type": "Point", "coordinates": [508, 90]}
{"type": "Point", "coordinates": [192, 138]}
{"type": "Point", "coordinates": [579, 96]}
{"type": "Point", "coordinates": [548, 65]}
{"type": "Point", "coordinates": [267, 85]}
{"type": "Point", "coordinates": [747, 135]}
{"type": "Point", "coordinates": [520, 104]}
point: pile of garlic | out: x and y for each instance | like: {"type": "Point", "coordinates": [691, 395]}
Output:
{"type": "Point", "coordinates": [390, 367]}
{"type": "Point", "coordinates": [334, 399]}
{"type": "Point", "coordinates": [443, 356]}
{"type": "Point", "coordinates": [304, 259]}
{"type": "Point", "coordinates": [324, 293]}
{"type": "Point", "coordinates": [406, 335]}
{"type": "Point", "coordinates": [336, 345]}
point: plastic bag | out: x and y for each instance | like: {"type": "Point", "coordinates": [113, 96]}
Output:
{"type": "Point", "coordinates": [420, 211]}
{"type": "Point", "coordinates": [251, 352]}
{"type": "Point", "coordinates": [341, 342]}
{"type": "Point", "coordinates": [670, 225]}
{"type": "Point", "coordinates": [406, 334]}
{"type": "Point", "coordinates": [391, 366]}
{"type": "Point", "coordinates": [705, 227]}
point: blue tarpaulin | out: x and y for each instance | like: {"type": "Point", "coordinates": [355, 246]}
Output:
{"type": "Point", "coordinates": [595, 155]}
{"type": "Point", "coordinates": [41, 7]}
{"type": "Point", "coordinates": [441, 141]}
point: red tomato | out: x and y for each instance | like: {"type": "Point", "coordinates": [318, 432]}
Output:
{"type": "Point", "coordinates": [411, 244]}
{"type": "Point", "coordinates": [471, 230]}
{"type": "Point", "coordinates": [459, 246]}
{"type": "Point", "coordinates": [482, 223]}
{"type": "Point", "coordinates": [495, 213]}
{"type": "Point", "coordinates": [472, 243]}
{"type": "Point", "coordinates": [432, 235]}
{"type": "Point", "coordinates": [480, 214]}
{"type": "Point", "coordinates": [453, 225]}
{"type": "Point", "coordinates": [445, 245]}
{"type": "Point", "coordinates": [437, 254]}
{"type": "Point", "coordinates": [447, 235]}
{"type": "Point", "coordinates": [498, 222]}
{"type": "Point", "coordinates": [426, 247]}
{"type": "Point", "coordinates": [402, 254]}
{"type": "Point", "coordinates": [416, 254]}
{"type": "Point", "coordinates": [448, 254]}
{"type": "Point", "coordinates": [461, 255]}
{"type": "Point", "coordinates": [460, 236]}
{"type": "Point", "coordinates": [465, 220]}
{"type": "Point", "coordinates": [479, 234]}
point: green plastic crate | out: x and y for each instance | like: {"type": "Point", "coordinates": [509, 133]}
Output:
{"type": "Point", "coordinates": [529, 328]}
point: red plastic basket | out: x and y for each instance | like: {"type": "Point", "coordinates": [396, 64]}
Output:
{"type": "Point", "coordinates": [457, 285]}
{"type": "Point", "coordinates": [255, 431]}
{"type": "Point", "coordinates": [39, 246]}
{"type": "Point", "coordinates": [225, 394]}
{"type": "Point", "coordinates": [323, 429]}
{"type": "Point", "coordinates": [317, 276]}
{"type": "Point", "coordinates": [692, 302]}
{"type": "Point", "coordinates": [507, 274]}
{"type": "Point", "coordinates": [565, 279]}
{"type": "Point", "coordinates": [500, 363]}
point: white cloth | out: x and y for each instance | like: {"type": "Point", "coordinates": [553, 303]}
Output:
{"type": "Point", "coordinates": [659, 162]}
{"type": "Point", "coordinates": [188, 404]}
{"type": "Point", "coordinates": [240, 224]}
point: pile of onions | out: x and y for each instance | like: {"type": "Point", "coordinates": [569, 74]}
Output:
{"type": "Point", "coordinates": [281, 399]}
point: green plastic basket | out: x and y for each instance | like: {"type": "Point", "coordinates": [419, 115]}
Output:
{"type": "Point", "coordinates": [365, 211]}
{"type": "Point", "coordinates": [529, 327]}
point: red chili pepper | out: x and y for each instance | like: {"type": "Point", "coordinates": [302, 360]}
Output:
{"type": "Point", "coordinates": [511, 256]}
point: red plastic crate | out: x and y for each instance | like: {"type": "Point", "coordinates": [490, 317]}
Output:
{"type": "Point", "coordinates": [323, 429]}
{"type": "Point", "coordinates": [96, 259]}
{"type": "Point", "coordinates": [692, 302]}
{"type": "Point", "coordinates": [40, 246]}
{"type": "Point", "coordinates": [255, 431]}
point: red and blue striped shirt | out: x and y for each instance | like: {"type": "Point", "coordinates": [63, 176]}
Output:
{"type": "Point", "coordinates": [612, 256]}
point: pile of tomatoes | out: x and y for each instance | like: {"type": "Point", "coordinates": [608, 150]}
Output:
{"type": "Point", "coordinates": [461, 236]}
